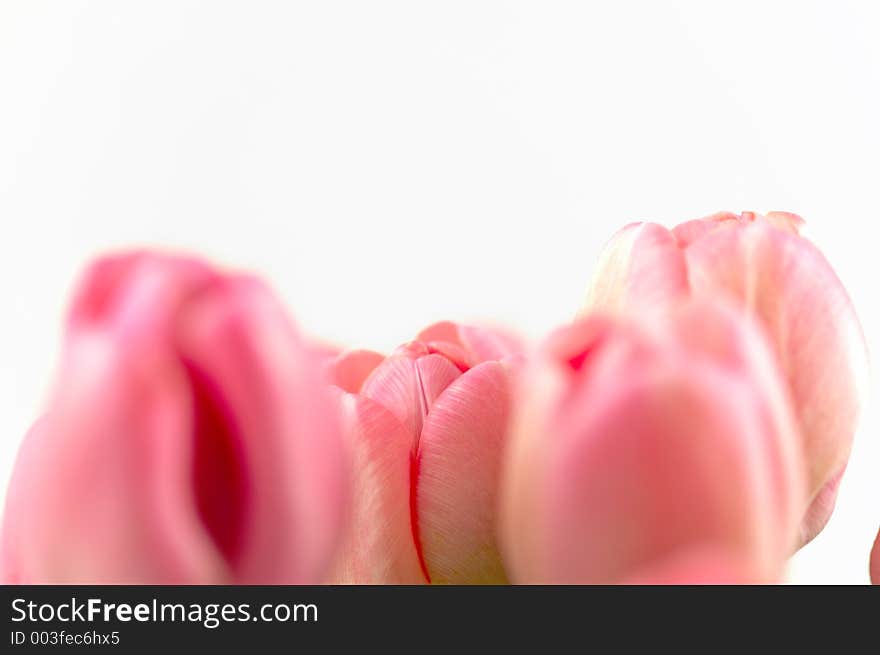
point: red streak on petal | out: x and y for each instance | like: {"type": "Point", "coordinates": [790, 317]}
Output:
{"type": "Point", "coordinates": [578, 361]}
{"type": "Point", "coordinates": [413, 512]}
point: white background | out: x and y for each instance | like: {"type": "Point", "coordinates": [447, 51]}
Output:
{"type": "Point", "coordinates": [388, 164]}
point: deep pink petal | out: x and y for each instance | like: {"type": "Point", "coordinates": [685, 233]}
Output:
{"type": "Point", "coordinates": [288, 454]}
{"type": "Point", "coordinates": [136, 292]}
{"type": "Point", "coordinates": [189, 439]}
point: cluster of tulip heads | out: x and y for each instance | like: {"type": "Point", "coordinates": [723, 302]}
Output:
{"type": "Point", "coordinates": [691, 426]}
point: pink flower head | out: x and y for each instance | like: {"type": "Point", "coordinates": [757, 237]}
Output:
{"type": "Point", "coordinates": [651, 451]}
{"type": "Point", "coordinates": [426, 425]}
{"type": "Point", "coordinates": [189, 439]}
{"type": "Point", "coordinates": [763, 265]}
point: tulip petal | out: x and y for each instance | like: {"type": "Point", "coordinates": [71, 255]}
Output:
{"type": "Point", "coordinates": [379, 547]}
{"type": "Point", "coordinates": [820, 508]}
{"type": "Point", "coordinates": [135, 292]}
{"type": "Point", "coordinates": [488, 345]}
{"type": "Point", "coordinates": [96, 491]}
{"type": "Point", "coordinates": [189, 439]}
{"type": "Point", "coordinates": [407, 386]}
{"type": "Point", "coordinates": [696, 483]}
{"type": "Point", "coordinates": [456, 490]}
{"type": "Point", "coordinates": [650, 440]}
{"type": "Point", "coordinates": [689, 231]}
{"type": "Point", "coordinates": [875, 561]}
{"type": "Point", "coordinates": [393, 384]}
{"type": "Point", "coordinates": [480, 344]}
{"type": "Point", "coordinates": [695, 566]}
{"type": "Point", "coordinates": [641, 266]}
{"type": "Point", "coordinates": [441, 331]}
{"type": "Point", "coordinates": [288, 450]}
{"type": "Point", "coordinates": [785, 221]}
{"type": "Point", "coordinates": [455, 353]}
{"type": "Point", "coordinates": [349, 370]}
{"type": "Point", "coordinates": [435, 373]}
{"type": "Point", "coordinates": [811, 323]}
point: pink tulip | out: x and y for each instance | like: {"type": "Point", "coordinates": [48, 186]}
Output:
{"type": "Point", "coordinates": [189, 439]}
{"type": "Point", "coordinates": [651, 451]}
{"type": "Point", "coordinates": [696, 567]}
{"type": "Point", "coordinates": [763, 265]}
{"type": "Point", "coordinates": [875, 561]}
{"type": "Point", "coordinates": [426, 426]}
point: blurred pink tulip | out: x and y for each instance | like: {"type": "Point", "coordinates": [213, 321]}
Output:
{"type": "Point", "coordinates": [426, 426]}
{"type": "Point", "coordinates": [760, 263]}
{"type": "Point", "coordinates": [651, 451]}
{"type": "Point", "coordinates": [875, 561]}
{"type": "Point", "coordinates": [189, 439]}
{"type": "Point", "coordinates": [696, 567]}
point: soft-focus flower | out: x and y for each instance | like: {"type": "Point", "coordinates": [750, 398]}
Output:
{"type": "Point", "coordinates": [762, 264]}
{"type": "Point", "coordinates": [189, 438]}
{"type": "Point", "coordinates": [426, 425]}
{"type": "Point", "coordinates": [697, 566]}
{"type": "Point", "coordinates": [875, 561]}
{"type": "Point", "coordinates": [651, 451]}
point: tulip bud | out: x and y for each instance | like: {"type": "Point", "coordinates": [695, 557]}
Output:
{"type": "Point", "coordinates": [189, 439]}
{"type": "Point", "coordinates": [426, 426]}
{"type": "Point", "coordinates": [763, 265]}
{"type": "Point", "coordinates": [651, 451]}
